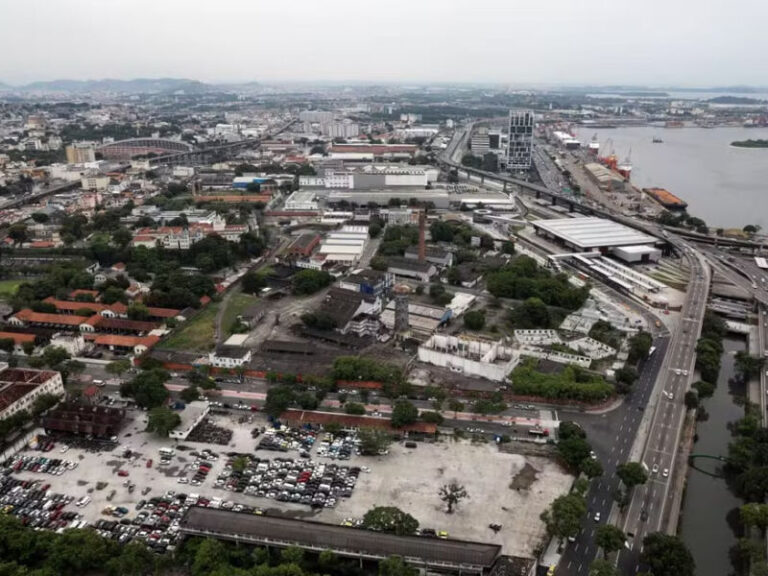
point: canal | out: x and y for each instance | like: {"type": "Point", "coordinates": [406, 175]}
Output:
{"type": "Point", "coordinates": [709, 504]}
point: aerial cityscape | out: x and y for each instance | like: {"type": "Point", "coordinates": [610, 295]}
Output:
{"type": "Point", "coordinates": [303, 303]}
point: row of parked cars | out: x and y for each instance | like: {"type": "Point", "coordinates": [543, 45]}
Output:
{"type": "Point", "coordinates": [36, 506]}
{"type": "Point", "coordinates": [286, 480]}
{"type": "Point", "coordinates": [41, 464]}
{"type": "Point", "coordinates": [286, 438]}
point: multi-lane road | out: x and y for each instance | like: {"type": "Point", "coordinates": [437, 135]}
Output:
{"type": "Point", "coordinates": [612, 436]}
{"type": "Point", "coordinates": [651, 502]}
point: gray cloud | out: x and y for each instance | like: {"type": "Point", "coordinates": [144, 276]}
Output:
{"type": "Point", "coordinates": [656, 42]}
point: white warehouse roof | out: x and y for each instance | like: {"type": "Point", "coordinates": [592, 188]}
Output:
{"type": "Point", "coordinates": [587, 233]}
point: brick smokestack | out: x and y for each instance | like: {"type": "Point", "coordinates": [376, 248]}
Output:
{"type": "Point", "coordinates": [422, 232]}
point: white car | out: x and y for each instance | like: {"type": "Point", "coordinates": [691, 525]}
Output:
{"type": "Point", "coordinates": [655, 469]}
{"type": "Point", "coordinates": [665, 472]}
{"type": "Point", "coordinates": [597, 516]}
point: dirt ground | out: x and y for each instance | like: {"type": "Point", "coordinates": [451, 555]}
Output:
{"type": "Point", "coordinates": [507, 489]}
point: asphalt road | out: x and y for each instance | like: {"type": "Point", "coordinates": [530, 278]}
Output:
{"type": "Point", "coordinates": [650, 501]}
{"type": "Point", "coordinates": [611, 435]}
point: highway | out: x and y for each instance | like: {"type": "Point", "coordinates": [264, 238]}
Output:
{"type": "Point", "coordinates": [612, 436]}
{"type": "Point", "coordinates": [650, 502]}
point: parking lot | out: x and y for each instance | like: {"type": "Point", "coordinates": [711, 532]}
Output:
{"type": "Point", "coordinates": [300, 474]}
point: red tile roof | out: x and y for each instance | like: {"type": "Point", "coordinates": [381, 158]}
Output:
{"type": "Point", "coordinates": [74, 306]}
{"type": "Point", "coordinates": [28, 315]}
{"type": "Point", "coordinates": [17, 337]}
{"type": "Point", "coordinates": [125, 341]}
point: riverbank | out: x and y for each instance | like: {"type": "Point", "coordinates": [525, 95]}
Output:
{"type": "Point", "coordinates": [708, 504]}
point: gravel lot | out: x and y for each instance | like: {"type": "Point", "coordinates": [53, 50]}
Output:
{"type": "Point", "coordinates": [407, 478]}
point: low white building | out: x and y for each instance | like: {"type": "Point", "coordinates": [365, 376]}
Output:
{"type": "Point", "coordinates": [301, 201]}
{"type": "Point", "coordinates": [229, 356]}
{"type": "Point", "coordinates": [471, 356]}
{"type": "Point", "coordinates": [191, 416]}
{"type": "Point", "coordinates": [20, 387]}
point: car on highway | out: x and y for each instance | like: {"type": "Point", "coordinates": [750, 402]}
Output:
{"type": "Point", "coordinates": [597, 516]}
{"type": "Point", "coordinates": [665, 472]}
{"type": "Point", "coordinates": [655, 469]}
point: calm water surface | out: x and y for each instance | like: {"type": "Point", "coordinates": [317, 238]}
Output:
{"type": "Point", "coordinates": [723, 185]}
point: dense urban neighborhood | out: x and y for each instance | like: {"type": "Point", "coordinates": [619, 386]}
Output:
{"type": "Point", "coordinates": [267, 330]}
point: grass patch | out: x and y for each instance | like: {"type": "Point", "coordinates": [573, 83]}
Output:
{"type": "Point", "coordinates": [8, 288]}
{"type": "Point", "coordinates": [195, 334]}
{"type": "Point", "coordinates": [235, 307]}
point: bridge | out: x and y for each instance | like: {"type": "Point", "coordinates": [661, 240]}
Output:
{"type": "Point", "coordinates": [132, 147]}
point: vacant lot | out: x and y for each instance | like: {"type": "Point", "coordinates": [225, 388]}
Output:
{"type": "Point", "coordinates": [235, 306]}
{"type": "Point", "coordinates": [196, 334]}
{"type": "Point", "coordinates": [411, 479]}
{"type": "Point", "coordinates": [8, 288]}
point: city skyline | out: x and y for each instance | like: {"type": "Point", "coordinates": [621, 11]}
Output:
{"type": "Point", "coordinates": [523, 43]}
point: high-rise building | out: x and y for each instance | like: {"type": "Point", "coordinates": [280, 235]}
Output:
{"type": "Point", "coordinates": [480, 142]}
{"type": "Point", "coordinates": [80, 153]}
{"type": "Point", "coordinates": [520, 147]}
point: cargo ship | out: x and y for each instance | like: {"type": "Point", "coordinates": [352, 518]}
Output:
{"type": "Point", "coordinates": [666, 198]}
{"type": "Point", "coordinates": [673, 124]}
{"type": "Point", "coordinates": [594, 146]}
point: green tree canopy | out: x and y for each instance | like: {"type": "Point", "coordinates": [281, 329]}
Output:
{"type": "Point", "coordinates": [403, 413]}
{"type": "Point", "coordinates": [667, 555]}
{"type": "Point", "coordinates": [162, 420]}
{"type": "Point", "coordinates": [563, 517]}
{"type": "Point", "coordinates": [390, 519]}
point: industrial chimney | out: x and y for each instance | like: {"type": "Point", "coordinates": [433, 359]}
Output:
{"type": "Point", "coordinates": [422, 232]}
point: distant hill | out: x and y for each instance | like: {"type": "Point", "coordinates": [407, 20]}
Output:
{"type": "Point", "coordinates": [135, 86]}
{"type": "Point", "coordinates": [734, 100]}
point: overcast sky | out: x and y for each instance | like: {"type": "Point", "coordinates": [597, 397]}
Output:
{"type": "Point", "coordinates": [516, 42]}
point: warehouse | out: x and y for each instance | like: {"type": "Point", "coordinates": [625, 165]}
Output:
{"type": "Point", "coordinates": [301, 201]}
{"type": "Point", "coordinates": [636, 254]}
{"type": "Point", "coordinates": [345, 245]}
{"type": "Point", "coordinates": [587, 234]}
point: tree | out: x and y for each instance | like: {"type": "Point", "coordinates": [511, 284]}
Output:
{"type": "Point", "coordinates": [122, 236]}
{"type": "Point", "coordinates": [7, 345]}
{"type": "Point", "coordinates": [592, 468]}
{"type": "Point", "coordinates": [601, 567]}
{"type": "Point", "coordinates": [292, 555]}
{"type": "Point", "coordinates": [452, 493]}
{"type": "Point", "coordinates": [54, 355]}
{"type": "Point", "coordinates": [574, 450]}
{"type": "Point", "coordinates": [639, 346]}
{"type": "Point", "coordinates": [532, 313]}
{"type": "Point", "coordinates": [568, 429]}
{"type": "Point", "coordinates": [563, 517]}
{"type": "Point", "coordinates": [609, 538]}
{"type": "Point", "coordinates": [43, 403]}
{"type": "Point", "coordinates": [667, 555]}
{"type": "Point", "coordinates": [432, 417]}
{"type": "Point", "coordinates": [404, 413]}
{"type": "Point", "coordinates": [210, 555]}
{"type": "Point", "coordinates": [253, 282]}
{"type": "Point", "coordinates": [354, 408]}
{"type": "Point", "coordinates": [310, 281]}
{"type": "Point", "coordinates": [29, 348]}
{"type": "Point", "coordinates": [705, 389]}
{"type": "Point", "coordinates": [279, 398]}
{"type": "Point", "coordinates": [396, 566]}
{"type": "Point", "coordinates": [390, 519]}
{"type": "Point", "coordinates": [134, 559]}
{"type": "Point", "coordinates": [632, 474]}
{"type": "Point", "coordinates": [147, 388]}
{"type": "Point", "coordinates": [40, 217]}
{"type": "Point", "coordinates": [754, 514]}
{"type": "Point", "coordinates": [474, 320]}
{"type": "Point", "coordinates": [374, 229]}
{"type": "Point", "coordinates": [691, 400]}
{"type": "Point", "coordinates": [456, 406]}
{"type": "Point", "coordinates": [138, 311]}
{"type": "Point", "coordinates": [18, 233]}
{"type": "Point", "coordinates": [373, 441]}
{"type": "Point", "coordinates": [190, 394]}
{"type": "Point", "coordinates": [118, 367]}
{"type": "Point", "coordinates": [162, 420]}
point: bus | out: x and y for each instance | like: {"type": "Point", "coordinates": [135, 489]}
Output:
{"type": "Point", "coordinates": [537, 431]}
